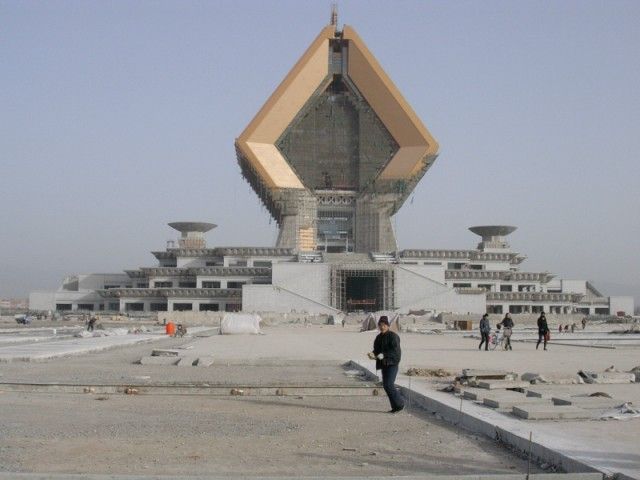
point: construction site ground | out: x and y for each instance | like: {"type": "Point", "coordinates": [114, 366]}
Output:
{"type": "Point", "coordinates": [330, 431]}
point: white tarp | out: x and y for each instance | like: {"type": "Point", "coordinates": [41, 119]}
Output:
{"type": "Point", "coordinates": [238, 323]}
{"type": "Point", "coordinates": [371, 321]}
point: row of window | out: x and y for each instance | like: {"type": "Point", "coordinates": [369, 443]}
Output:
{"type": "Point", "coordinates": [181, 307]}
{"type": "Point", "coordinates": [539, 309]}
{"type": "Point", "coordinates": [153, 307]}
{"type": "Point", "coordinates": [238, 263]}
{"type": "Point", "coordinates": [66, 307]}
{"type": "Point", "coordinates": [503, 288]}
{"type": "Point", "coordinates": [205, 284]}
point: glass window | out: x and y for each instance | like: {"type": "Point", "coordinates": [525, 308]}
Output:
{"type": "Point", "coordinates": [182, 307]}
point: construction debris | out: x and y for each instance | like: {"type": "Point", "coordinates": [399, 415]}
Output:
{"type": "Point", "coordinates": [428, 372]}
{"type": "Point", "coordinates": [623, 412]}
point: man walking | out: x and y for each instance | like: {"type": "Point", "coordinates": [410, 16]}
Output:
{"type": "Point", "coordinates": [485, 330]}
{"type": "Point", "coordinates": [386, 352]}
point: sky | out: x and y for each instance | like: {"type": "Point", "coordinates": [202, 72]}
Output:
{"type": "Point", "coordinates": [119, 117]}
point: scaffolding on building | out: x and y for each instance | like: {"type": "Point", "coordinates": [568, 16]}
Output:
{"type": "Point", "coordinates": [362, 287]}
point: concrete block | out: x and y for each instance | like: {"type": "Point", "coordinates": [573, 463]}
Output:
{"type": "Point", "coordinates": [588, 402]}
{"type": "Point", "coordinates": [187, 361]}
{"type": "Point", "coordinates": [204, 361]}
{"type": "Point", "coordinates": [550, 412]}
{"type": "Point", "coordinates": [614, 377]}
{"type": "Point", "coordinates": [476, 394]}
{"type": "Point", "coordinates": [539, 392]}
{"type": "Point", "coordinates": [501, 384]}
{"type": "Point", "coordinates": [486, 374]}
{"type": "Point", "coordinates": [159, 360]}
{"type": "Point", "coordinates": [165, 353]}
{"type": "Point", "coordinates": [508, 399]}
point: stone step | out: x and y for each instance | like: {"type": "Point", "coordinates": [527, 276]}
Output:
{"type": "Point", "coordinates": [204, 362]}
{"type": "Point", "coordinates": [550, 412]}
{"type": "Point", "coordinates": [187, 361]}
{"type": "Point", "coordinates": [476, 394]}
{"type": "Point", "coordinates": [159, 360]}
{"type": "Point", "coordinates": [508, 399]}
{"type": "Point", "coordinates": [501, 384]}
{"type": "Point", "coordinates": [588, 402]}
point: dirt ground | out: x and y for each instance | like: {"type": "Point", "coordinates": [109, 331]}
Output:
{"type": "Point", "coordinates": [189, 434]}
{"type": "Point", "coordinates": [120, 434]}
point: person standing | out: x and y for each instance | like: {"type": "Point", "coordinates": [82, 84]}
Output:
{"type": "Point", "coordinates": [485, 330]}
{"type": "Point", "coordinates": [387, 354]}
{"type": "Point", "coordinates": [507, 323]}
{"type": "Point", "coordinates": [543, 331]}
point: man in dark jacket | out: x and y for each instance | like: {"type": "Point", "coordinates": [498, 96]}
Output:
{"type": "Point", "coordinates": [485, 330]}
{"type": "Point", "coordinates": [386, 352]}
{"type": "Point", "coordinates": [543, 330]}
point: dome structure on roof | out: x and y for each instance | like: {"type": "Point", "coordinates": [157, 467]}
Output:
{"type": "Point", "coordinates": [192, 233]}
{"type": "Point", "coordinates": [493, 236]}
{"type": "Point", "coordinates": [185, 227]}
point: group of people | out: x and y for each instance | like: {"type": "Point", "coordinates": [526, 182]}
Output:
{"type": "Point", "coordinates": [507, 328]}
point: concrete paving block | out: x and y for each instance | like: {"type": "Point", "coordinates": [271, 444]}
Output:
{"type": "Point", "coordinates": [204, 361]}
{"type": "Point", "coordinates": [164, 353]}
{"type": "Point", "coordinates": [476, 394]}
{"type": "Point", "coordinates": [501, 384]}
{"type": "Point", "coordinates": [588, 402]}
{"type": "Point", "coordinates": [550, 412]}
{"type": "Point", "coordinates": [187, 361]}
{"type": "Point", "coordinates": [539, 393]}
{"type": "Point", "coordinates": [487, 374]}
{"type": "Point", "coordinates": [614, 377]}
{"type": "Point", "coordinates": [159, 360]}
{"type": "Point", "coordinates": [507, 399]}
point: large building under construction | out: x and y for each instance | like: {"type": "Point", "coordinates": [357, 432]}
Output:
{"type": "Point", "coordinates": [333, 154]}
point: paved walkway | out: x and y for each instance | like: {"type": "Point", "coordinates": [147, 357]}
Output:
{"type": "Point", "coordinates": [40, 351]}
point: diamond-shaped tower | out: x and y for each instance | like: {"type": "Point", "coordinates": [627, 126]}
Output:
{"type": "Point", "coordinates": [336, 150]}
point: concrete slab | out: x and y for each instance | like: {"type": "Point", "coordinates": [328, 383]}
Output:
{"type": "Point", "coordinates": [588, 402]}
{"type": "Point", "coordinates": [164, 352]}
{"type": "Point", "coordinates": [507, 476]}
{"type": "Point", "coordinates": [476, 394]}
{"type": "Point", "coordinates": [501, 384]}
{"type": "Point", "coordinates": [615, 377]}
{"type": "Point", "coordinates": [484, 373]}
{"type": "Point", "coordinates": [539, 393]}
{"type": "Point", "coordinates": [508, 399]}
{"type": "Point", "coordinates": [42, 351]}
{"type": "Point", "coordinates": [550, 412]}
{"type": "Point", "coordinates": [159, 360]}
{"type": "Point", "coordinates": [204, 362]}
{"type": "Point", "coordinates": [187, 361]}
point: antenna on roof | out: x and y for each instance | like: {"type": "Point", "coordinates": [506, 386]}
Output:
{"type": "Point", "coordinates": [334, 15]}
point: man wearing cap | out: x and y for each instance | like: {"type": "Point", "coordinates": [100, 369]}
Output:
{"type": "Point", "coordinates": [386, 352]}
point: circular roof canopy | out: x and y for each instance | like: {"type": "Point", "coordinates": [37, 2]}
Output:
{"type": "Point", "coordinates": [492, 230]}
{"type": "Point", "coordinates": [185, 227]}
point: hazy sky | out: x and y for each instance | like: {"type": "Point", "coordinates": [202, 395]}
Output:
{"type": "Point", "coordinates": [118, 117]}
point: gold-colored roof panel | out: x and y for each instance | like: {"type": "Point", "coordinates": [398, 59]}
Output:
{"type": "Point", "coordinates": [414, 139]}
{"type": "Point", "coordinates": [257, 143]}
{"type": "Point", "coordinates": [261, 134]}
{"type": "Point", "coordinates": [271, 165]}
